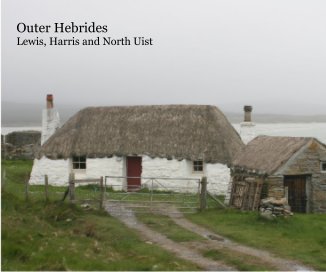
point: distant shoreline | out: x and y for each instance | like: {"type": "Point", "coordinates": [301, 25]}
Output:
{"type": "Point", "coordinates": [294, 129]}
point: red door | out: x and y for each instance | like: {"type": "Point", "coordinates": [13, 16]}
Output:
{"type": "Point", "coordinates": [133, 173]}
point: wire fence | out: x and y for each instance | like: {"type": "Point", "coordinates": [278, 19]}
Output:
{"type": "Point", "coordinates": [185, 194]}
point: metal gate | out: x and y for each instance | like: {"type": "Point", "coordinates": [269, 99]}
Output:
{"type": "Point", "coordinates": [153, 194]}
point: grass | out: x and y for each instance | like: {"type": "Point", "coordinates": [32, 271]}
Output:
{"type": "Point", "coordinates": [39, 235]}
{"type": "Point", "coordinates": [301, 237]}
{"type": "Point", "coordinates": [166, 226]}
{"type": "Point", "coordinates": [241, 262]}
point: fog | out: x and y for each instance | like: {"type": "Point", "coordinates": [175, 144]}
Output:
{"type": "Point", "coordinates": [269, 54]}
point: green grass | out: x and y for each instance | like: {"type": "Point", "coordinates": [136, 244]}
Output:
{"type": "Point", "coordinates": [166, 226]}
{"type": "Point", "coordinates": [301, 237]}
{"type": "Point", "coordinates": [39, 235]}
{"type": "Point", "coordinates": [241, 262]}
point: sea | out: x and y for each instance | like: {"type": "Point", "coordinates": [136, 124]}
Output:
{"type": "Point", "coordinates": [317, 130]}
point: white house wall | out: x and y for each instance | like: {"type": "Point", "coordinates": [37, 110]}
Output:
{"type": "Point", "coordinates": [218, 178]}
{"type": "Point", "coordinates": [158, 167]}
{"type": "Point", "coordinates": [57, 171]}
{"type": "Point", "coordinates": [218, 175]}
{"type": "Point", "coordinates": [97, 168]}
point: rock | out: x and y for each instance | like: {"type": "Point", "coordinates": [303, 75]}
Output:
{"type": "Point", "coordinates": [272, 207]}
{"type": "Point", "coordinates": [267, 215]}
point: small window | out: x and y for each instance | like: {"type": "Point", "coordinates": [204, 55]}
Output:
{"type": "Point", "coordinates": [79, 162]}
{"type": "Point", "coordinates": [323, 166]}
{"type": "Point", "coordinates": [198, 166]}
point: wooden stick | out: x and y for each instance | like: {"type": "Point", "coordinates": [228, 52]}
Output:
{"type": "Point", "coordinates": [46, 183]}
{"type": "Point", "coordinates": [101, 193]}
{"type": "Point", "coordinates": [203, 194]}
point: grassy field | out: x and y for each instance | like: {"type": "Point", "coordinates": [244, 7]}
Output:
{"type": "Point", "coordinates": [39, 235]}
{"type": "Point", "coordinates": [301, 237]}
{"type": "Point", "coordinates": [58, 236]}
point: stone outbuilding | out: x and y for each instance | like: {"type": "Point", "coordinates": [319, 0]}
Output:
{"type": "Point", "coordinates": [290, 167]}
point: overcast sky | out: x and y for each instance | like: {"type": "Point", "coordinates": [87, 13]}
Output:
{"type": "Point", "coordinates": [269, 54]}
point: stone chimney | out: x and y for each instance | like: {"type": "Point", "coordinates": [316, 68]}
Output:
{"type": "Point", "coordinates": [247, 113]}
{"type": "Point", "coordinates": [50, 120]}
{"type": "Point", "coordinates": [247, 127]}
{"type": "Point", "coordinates": [49, 101]}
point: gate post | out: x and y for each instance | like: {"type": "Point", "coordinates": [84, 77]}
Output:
{"type": "Point", "coordinates": [203, 193]}
{"type": "Point", "coordinates": [46, 183]}
{"type": "Point", "coordinates": [71, 187]}
{"type": "Point", "coordinates": [101, 193]}
{"type": "Point", "coordinates": [26, 188]}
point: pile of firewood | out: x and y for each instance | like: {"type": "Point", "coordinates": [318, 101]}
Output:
{"type": "Point", "coordinates": [271, 208]}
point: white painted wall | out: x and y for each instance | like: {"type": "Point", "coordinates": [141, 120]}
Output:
{"type": "Point", "coordinates": [50, 123]}
{"type": "Point", "coordinates": [57, 171]}
{"type": "Point", "coordinates": [247, 131]}
{"type": "Point", "coordinates": [161, 167]}
{"type": "Point", "coordinates": [97, 168]}
{"type": "Point", "coordinates": [218, 175]}
{"type": "Point", "coordinates": [218, 178]}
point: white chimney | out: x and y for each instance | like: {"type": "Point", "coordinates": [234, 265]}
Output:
{"type": "Point", "coordinates": [247, 127]}
{"type": "Point", "coordinates": [50, 120]}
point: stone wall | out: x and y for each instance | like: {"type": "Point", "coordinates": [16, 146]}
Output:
{"type": "Point", "coordinates": [21, 138]}
{"type": "Point", "coordinates": [308, 162]}
{"type": "Point", "coordinates": [275, 187]}
{"type": "Point", "coordinates": [20, 144]}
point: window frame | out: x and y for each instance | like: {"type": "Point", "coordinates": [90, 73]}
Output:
{"type": "Point", "coordinates": [198, 164]}
{"type": "Point", "coordinates": [81, 161]}
{"type": "Point", "coordinates": [322, 165]}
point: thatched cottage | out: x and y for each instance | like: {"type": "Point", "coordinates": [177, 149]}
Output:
{"type": "Point", "coordinates": [291, 167]}
{"type": "Point", "coordinates": [147, 141]}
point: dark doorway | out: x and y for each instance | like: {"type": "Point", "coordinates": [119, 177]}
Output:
{"type": "Point", "coordinates": [133, 173]}
{"type": "Point", "coordinates": [296, 192]}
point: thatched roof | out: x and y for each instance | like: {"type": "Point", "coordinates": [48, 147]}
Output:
{"type": "Point", "coordinates": [267, 153]}
{"type": "Point", "coordinates": [171, 131]}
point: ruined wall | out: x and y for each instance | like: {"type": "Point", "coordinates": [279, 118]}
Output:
{"type": "Point", "coordinates": [20, 144]}
{"type": "Point", "coordinates": [21, 138]}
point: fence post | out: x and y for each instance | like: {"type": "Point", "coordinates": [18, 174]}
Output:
{"type": "Point", "coordinates": [71, 187]}
{"type": "Point", "coordinates": [46, 183]}
{"type": "Point", "coordinates": [26, 189]}
{"type": "Point", "coordinates": [203, 194]}
{"type": "Point", "coordinates": [3, 177]}
{"type": "Point", "coordinates": [101, 193]}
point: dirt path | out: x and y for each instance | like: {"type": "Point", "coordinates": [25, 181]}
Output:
{"type": "Point", "coordinates": [217, 241]}
{"type": "Point", "coordinates": [191, 251]}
